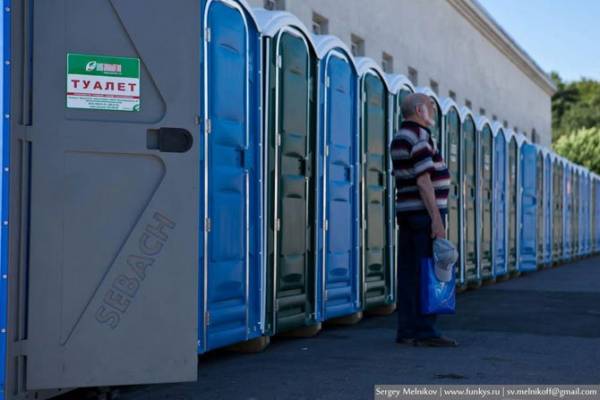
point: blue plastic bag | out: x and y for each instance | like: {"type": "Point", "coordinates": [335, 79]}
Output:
{"type": "Point", "coordinates": [436, 297]}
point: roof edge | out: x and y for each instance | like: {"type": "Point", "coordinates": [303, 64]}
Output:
{"type": "Point", "coordinates": [481, 20]}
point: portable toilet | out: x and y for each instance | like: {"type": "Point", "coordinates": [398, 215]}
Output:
{"type": "Point", "coordinates": [290, 72]}
{"type": "Point", "coordinates": [452, 155]}
{"type": "Point", "coordinates": [527, 208]}
{"type": "Point", "coordinates": [511, 196]}
{"type": "Point", "coordinates": [567, 213]}
{"type": "Point", "coordinates": [232, 282]}
{"type": "Point", "coordinates": [400, 87]}
{"type": "Point", "coordinates": [583, 215]}
{"type": "Point", "coordinates": [548, 209]}
{"type": "Point", "coordinates": [540, 184]}
{"type": "Point", "coordinates": [499, 203]}
{"type": "Point", "coordinates": [102, 155]}
{"type": "Point", "coordinates": [558, 208]}
{"type": "Point", "coordinates": [376, 195]}
{"type": "Point", "coordinates": [338, 167]}
{"type": "Point", "coordinates": [575, 211]}
{"type": "Point", "coordinates": [436, 131]}
{"type": "Point", "coordinates": [485, 189]}
{"type": "Point", "coordinates": [470, 195]}
{"type": "Point", "coordinates": [596, 213]}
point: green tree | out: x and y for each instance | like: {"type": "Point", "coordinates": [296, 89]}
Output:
{"type": "Point", "coordinates": [582, 147]}
{"type": "Point", "coordinates": [575, 105]}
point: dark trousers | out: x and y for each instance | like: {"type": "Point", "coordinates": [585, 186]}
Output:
{"type": "Point", "coordinates": [414, 244]}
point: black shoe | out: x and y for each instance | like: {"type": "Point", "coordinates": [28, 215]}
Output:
{"type": "Point", "coordinates": [436, 342]}
{"type": "Point", "coordinates": [405, 340]}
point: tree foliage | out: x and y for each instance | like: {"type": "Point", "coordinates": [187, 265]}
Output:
{"type": "Point", "coordinates": [575, 105]}
{"type": "Point", "coordinates": [581, 147]}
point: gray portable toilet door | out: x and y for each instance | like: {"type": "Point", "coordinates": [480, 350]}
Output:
{"type": "Point", "coordinates": [111, 272]}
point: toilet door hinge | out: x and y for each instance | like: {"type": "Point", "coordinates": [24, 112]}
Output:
{"type": "Point", "coordinates": [206, 318]}
{"type": "Point", "coordinates": [207, 126]}
{"type": "Point", "coordinates": [327, 81]}
{"type": "Point", "coordinates": [325, 295]}
{"type": "Point", "coordinates": [279, 62]}
{"type": "Point", "coordinates": [278, 225]}
{"type": "Point", "coordinates": [207, 33]}
{"type": "Point", "coordinates": [326, 150]}
{"type": "Point", "coordinates": [326, 225]}
{"type": "Point", "coordinates": [207, 225]}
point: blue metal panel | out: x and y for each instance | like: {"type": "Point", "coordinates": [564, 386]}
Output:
{"type": "Point", "coordinates": [233, 241]}
{"type": "Point", "coordinates": [5, 30]}
{"type": "Point", "coordinates": [528, 209]}
{"type": "Point", "coordinates": [597, 215]}
{"type": "Point", "coordinates": [567, 201]}
{"type": "Point", "coordinates": [499, 214]}
{"type": "Point", "coordinates": [340, 245]}
{"type": "Point", "coordinates": [548, 209]}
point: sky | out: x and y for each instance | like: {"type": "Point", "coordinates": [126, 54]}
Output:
{"type": "Point", "coordinates": [560, 35]}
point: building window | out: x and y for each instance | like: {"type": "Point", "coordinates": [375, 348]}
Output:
{"type": "Point", "coordinates": [534, 136]}
{"type": "Point", "coordinates": [505, 124]}
{"type": "Point", "coordinates": [275, 4]}
{"type": "Point", "coordinates": [494, 118]}
{"type": "Point", "coordinates": [320, 24]}
{"type": "Point", "coordinates": [482, 111]}
{"type": "Point", "coordinates": [434, 86]}
{"type": "Point", "coordinates": [516, 129]}
{"type": "Point", "coordinates": [358, 45]}
{"type": "Point", "coordinates": [452, 95]}
{"type": "Point", "coordinates": [387, 63]}
{"type": "Point", "coordinates": [468, 104]}
{"type": "Point", "coordinates": [413, 75]}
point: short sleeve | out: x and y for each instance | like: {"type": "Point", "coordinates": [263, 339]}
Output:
{"type": "Point", "coordinates": [422, 158]}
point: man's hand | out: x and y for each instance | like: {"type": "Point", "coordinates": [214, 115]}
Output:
{"type": "Point", "coordinates": [437, 229]}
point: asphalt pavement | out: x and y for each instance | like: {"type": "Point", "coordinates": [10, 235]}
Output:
{"type": "Point", "coordinates": [540, 328]}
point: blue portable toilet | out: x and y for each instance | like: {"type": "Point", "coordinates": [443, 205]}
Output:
{"type": "Point", "coordinates": [400, 87]}
{"type": "Point", "coordinates": [512, 200]}
{"type": "Point", "coordinates": [499, 206]}
{"type": "Point", "coordinates": [527, 207]}
{"type": "Point", "coordinates": [231, 285]}
{"type": "Point", "coordinates": [547, 207]}
{"type": "Point", "coordinates": [568, 205]}
{"type": "Point", "coordinates": [585, 205]}
{"type": "Point", "coordinates": [338, 234]}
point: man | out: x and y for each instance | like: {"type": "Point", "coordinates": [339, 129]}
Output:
{"type": "Point", "coordinates": [422, 185]}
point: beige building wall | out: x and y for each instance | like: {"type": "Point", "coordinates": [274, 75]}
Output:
{"type": "Point", "coordinates": [435, 39]}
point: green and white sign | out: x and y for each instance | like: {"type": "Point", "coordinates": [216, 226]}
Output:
{"type": "Point", "coordinates": [103, 83]}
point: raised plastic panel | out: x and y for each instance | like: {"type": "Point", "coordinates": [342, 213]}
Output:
{"type": "Point", "coordinates": [500, 205]}
{"type": "Point", "coordinates": [376, 260]}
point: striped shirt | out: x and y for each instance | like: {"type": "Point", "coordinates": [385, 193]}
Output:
{"type": "Point", "coordinates": [413, 154]}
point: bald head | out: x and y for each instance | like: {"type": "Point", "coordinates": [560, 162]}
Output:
{"type": "Point", "coordinates": [411, 102]}
{"type": "Point", "coordinates": [420, 108]}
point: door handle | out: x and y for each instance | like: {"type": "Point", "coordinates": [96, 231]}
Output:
{"type": "Point", "coordinates": [169, 140]}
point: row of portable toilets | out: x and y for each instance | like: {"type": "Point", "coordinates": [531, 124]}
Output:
{"type": "Point", "coordinates": [296, 214]}
{"type": "Point", "coordinates": [329, 240]}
